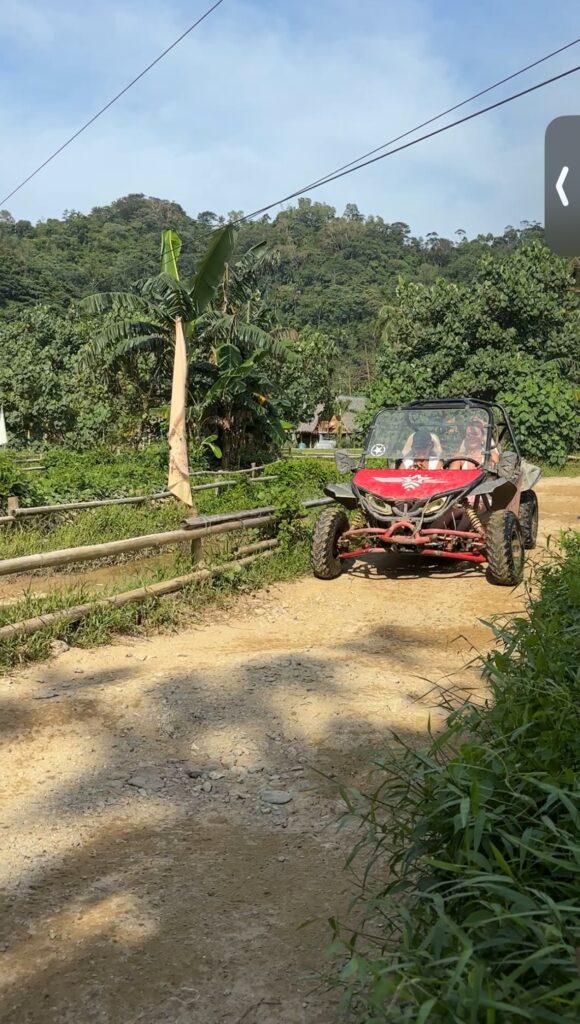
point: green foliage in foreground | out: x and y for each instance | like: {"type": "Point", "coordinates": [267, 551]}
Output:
{"type": "Point", "coordinates": [472, 891]}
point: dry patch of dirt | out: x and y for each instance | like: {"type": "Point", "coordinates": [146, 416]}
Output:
{"type": "Point", "coordinates": [165, 827]}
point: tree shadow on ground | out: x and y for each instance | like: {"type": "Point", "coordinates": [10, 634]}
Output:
{"type": "Point", "coordinates": [13, 717]}
{"type": "Point", "coordinates": [170, 904]}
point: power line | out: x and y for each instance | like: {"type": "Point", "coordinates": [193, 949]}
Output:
{"type": "Point", "coordinates": [444, 113]}
{"type": "Point", "coordinates": [114, 100]}
{"type": "Point", "coordinates": [407, 145]}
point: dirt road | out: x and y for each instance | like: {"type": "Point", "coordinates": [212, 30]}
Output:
{"type": "Point", "coordinates": [148, 875]}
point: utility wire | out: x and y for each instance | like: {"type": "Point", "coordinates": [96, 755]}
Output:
{"type": "Point", "coordinates": [407, 145]}
{"type": "Point", "coordinates": [114, 100]}
{"type": "Point", "coordinates": [450, 110]}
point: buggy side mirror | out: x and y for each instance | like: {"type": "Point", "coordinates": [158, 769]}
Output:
{"type": "Point", "coordinates": [343, 461]}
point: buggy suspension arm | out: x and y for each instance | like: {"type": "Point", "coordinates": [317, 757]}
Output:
{"type": "Point", "coordinates": [391, 534]}
{"type": "Point", "coordinates": [418, 538]}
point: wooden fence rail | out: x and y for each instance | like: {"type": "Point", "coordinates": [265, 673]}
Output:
{"type": "Point", "coordinates": [25, 627]}
{"type": "Point", "coordinates": [70, 506]}
{"type": "Point", "coordinates": [26, 512]}
{"type": "Point", "coordinates": [193, 531]}
{"type": "Point", "coordinates": [92, 552]}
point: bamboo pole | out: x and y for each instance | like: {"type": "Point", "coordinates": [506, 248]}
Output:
{"type": "Point", "coordinates": [216, 483]}
{"type": "Point", "coordinates": [69, 506]}
{"type": "Point", "coordinates": [80, 611]}
{"type": "Point", "coordinates": [259, 545]}
{"type": "Point", "coordinates": [194, 522]}
{"type": "Point", "coordinates": [231, 472]}
{"type": "Point", "coordinates": [91, 552]}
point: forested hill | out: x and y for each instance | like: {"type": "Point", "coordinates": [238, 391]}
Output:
{"type": "Point", "coordinates": [334, 272]}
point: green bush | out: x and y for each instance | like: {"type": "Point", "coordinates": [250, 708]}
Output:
{"type": "Point", "coordinates": [545, 416]}
{"type": "Point", "coordinates": [103, 473]}
{"type": "Point", "coordinates": [472, 892]}
{"type": "Point", "coordinates": [13, 481]}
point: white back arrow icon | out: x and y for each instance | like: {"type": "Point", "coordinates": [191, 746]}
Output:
{"type": "Point", "coordinates": [560, 186]}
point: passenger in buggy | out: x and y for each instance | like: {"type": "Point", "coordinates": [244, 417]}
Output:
{"type": "Point", "coordinates": [472, 447]}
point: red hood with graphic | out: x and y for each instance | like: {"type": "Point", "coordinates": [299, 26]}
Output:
{"type": "Point", "coordinates": [414, 484]}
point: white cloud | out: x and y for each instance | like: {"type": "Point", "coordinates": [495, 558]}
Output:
{"type": "Point", "coordinates": [259, 101]}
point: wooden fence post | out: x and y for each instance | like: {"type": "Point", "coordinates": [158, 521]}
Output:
{"type": "Point", "coordinates": [197, 545]}
{"type": "Point", "coordinates": [197, 552]}
{"type": "Point", "coordinates": [12, 504]}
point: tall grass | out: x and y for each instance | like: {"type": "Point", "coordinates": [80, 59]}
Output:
{"type": "Point", "coordinates": [470, 892]}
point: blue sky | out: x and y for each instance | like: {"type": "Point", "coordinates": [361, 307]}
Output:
{"type": "Point", "coordinates": [268, 95]}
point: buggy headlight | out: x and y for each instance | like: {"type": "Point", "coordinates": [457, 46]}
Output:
{"type": "Point", "coordinates": [434, 506]}
{"type": "Point", "coordinates": [379, 505]}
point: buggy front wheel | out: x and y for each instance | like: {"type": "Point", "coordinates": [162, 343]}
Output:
{"type": "Point", "coordinates": [328, 530]}
{"type": "Point", "coordinates": [504, 545]}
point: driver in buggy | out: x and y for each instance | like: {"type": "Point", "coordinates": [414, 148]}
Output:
{"type": "Point", "coordinates": [422, 450]}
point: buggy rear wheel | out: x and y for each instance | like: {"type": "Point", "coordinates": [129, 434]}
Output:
{"type": "Point", "coordinates": [328, 530]}
{"type": "Point", "coordinates": [529, 518]}
{"type": "Point", "coordinates": [504, 544]}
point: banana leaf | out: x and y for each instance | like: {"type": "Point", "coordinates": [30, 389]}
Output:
{"type": "Point", "coordinates": [170, 250]}
{"type": "Point", "coordinates": [211, 269]}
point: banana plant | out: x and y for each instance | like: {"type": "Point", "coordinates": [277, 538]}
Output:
{"type": "Point", "coordinates": [143, 321]}
{"type": "Point", "coordinates": [228, 333]}
{"type": "Point", "coordinates": [233, 405]}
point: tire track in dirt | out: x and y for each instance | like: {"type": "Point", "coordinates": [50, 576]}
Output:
{"type": "Point", "coordinates": [146, 878]}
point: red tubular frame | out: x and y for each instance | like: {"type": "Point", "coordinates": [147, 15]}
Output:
{"type": "Point", "coordinates": [419, 538]}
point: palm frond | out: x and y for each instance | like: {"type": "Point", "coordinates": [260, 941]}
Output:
{"type": "Point", "coordinates": [228, 327]}
{"type": "Point", "coordinates": [106, 301]}
{"type": "Point", "coordinates": [122, 339]}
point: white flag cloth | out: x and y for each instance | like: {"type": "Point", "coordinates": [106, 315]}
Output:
{"type": "Point", "coordinates": [178, 482]}
{"type": "Point", "coordinates": [3, 434]}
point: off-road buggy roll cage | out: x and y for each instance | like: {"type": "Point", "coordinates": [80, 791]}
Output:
{"type": "Point", "coordinates": [491, 409]}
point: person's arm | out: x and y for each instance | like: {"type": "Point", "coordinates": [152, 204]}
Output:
{"type": "Point", "coordinates": [437, 446]}
{"type": "Point", "coordinates": [407, 446]}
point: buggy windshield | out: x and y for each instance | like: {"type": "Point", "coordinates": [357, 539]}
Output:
{"type": "Point", "coordinates": [429, 436]}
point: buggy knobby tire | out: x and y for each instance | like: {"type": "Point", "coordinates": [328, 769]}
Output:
{"type": "Point", "coordinates": [529, 518]}
{"type": "Point", "coordinates": [504, 544]}
{"type": "Point", "coordinates": [328, 529]}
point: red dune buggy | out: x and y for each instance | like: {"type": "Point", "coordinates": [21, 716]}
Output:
{"type": "Point", "coordinates": [442, 478]}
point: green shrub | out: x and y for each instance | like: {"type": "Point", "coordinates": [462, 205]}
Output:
{"type": "Point", "coordinates": [472, 891]}
{"type": "Point", "coordinates": [102, 473]}
{"type": "Point", "coordinates": [545, 415]}
{"type": "Point", "coordinates": [13, 481]}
